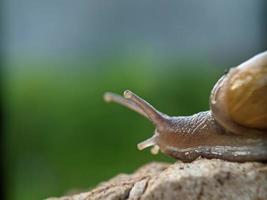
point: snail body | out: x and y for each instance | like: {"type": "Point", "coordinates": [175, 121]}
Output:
{"type": "Point", "coordinates": [234, 129]}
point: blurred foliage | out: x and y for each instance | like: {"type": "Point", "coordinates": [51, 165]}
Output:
{"type": "Point", "coordinates": [61, 135]}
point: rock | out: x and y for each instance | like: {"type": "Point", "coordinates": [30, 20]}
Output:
{"type": "Point", "coordinates": [199, 180]}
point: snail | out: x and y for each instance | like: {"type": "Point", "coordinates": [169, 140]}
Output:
{"type": "Point", "coordinates": [234, 129]}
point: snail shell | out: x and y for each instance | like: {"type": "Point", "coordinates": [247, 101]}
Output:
{"type": "Point", "coordinates": [239, 99]}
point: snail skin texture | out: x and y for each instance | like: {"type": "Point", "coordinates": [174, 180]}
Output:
{"type": "Point", "coordinates": [234, 129]}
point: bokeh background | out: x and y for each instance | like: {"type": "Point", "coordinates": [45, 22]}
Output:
{"type": "Point", "coordinates": [60, 56]}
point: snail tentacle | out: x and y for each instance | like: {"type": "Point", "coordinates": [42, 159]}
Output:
{"type": "Point", "coordinates": [111, 97]}
{"type": "Point", "coordinates": [155, 116]}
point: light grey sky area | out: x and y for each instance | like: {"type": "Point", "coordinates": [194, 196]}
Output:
{"type": "Point", "coordinates": [208, 28]}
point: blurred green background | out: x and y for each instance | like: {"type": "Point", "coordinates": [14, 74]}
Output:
{"type": "Point", "coordinates": [61, 56]}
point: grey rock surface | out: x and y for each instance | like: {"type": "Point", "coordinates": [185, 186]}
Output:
{"type": "Point", "coordinates": [199, 180]}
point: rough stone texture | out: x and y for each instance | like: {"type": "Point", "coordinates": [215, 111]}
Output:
{"type": "Point", "coordinates": [199, 180]}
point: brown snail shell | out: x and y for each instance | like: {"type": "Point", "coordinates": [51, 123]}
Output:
{"type": "Point", "coordinates": [239, 99]}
